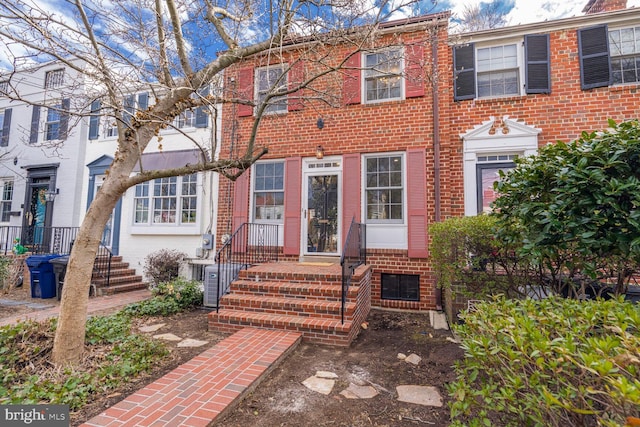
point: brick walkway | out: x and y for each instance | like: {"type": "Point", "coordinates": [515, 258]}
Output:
{"type": "Point", "coordinates": [199, 391]}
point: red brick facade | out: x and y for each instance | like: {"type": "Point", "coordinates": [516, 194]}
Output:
{"type": "Point", "coordinates": [431, 123]}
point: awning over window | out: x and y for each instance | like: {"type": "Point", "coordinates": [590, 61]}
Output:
{"type": "Point", "coordinates": [169, 159]}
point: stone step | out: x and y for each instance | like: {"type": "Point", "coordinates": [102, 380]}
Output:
{"type": "Point", "coordinates": [315, 330]}
{"type": "Point", "coordinates": [120, 272]}
{"type": "Point", "coordinates": [117, 280]}
{"type": "Point", "coordinates": [301, 290]}
{"type": "Point", "coordinates": [120, 288]}
{"type": "Point", "coordinates": [287, 306]}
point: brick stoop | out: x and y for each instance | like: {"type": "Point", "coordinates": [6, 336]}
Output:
{"type": "Point", "coordinates": [301, 297]}
{"type": "Point", "coordinates": [121, 279]}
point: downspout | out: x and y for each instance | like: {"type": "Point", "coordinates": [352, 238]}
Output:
{"type": "Point", "coordinates": [436, 144]}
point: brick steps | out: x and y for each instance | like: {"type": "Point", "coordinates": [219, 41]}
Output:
{"type": "Point", "coordinates": [300, 297]}
{"type": "Point", "coordinates": [121, 279]}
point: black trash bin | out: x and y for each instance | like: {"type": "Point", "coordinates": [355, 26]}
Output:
{"type": "Point", "coordinates": [59, 271]}
{"type": "Point", "coordinates": [43, 280]}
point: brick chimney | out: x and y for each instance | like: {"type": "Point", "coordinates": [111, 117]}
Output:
{"type": "Point", "coordinates": [596, 6]}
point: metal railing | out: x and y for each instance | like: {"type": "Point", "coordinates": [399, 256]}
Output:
{"type": "Point", "coordinates": [354, 254]}
{"type": "Point", "coordinates": [250, 244]}
{"type": "Point", "coordinates": [102, 264]}
{"type": "Point", "coordinates": [38, 240]}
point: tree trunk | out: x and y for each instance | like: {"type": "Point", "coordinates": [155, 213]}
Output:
{"type": "Point", "coordinates": [68, 345]}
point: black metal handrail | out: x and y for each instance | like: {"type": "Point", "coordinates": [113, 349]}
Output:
{"type": "Point", "coordinates": [102, 264]}
{"type": "Point", "coordinates": [354, 254]}
{"type": "Point", "coordinates": [250, 244]}
{"type": "Point", "coordinates": [38, 240]}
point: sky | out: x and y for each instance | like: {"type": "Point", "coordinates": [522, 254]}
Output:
{"type": "Point", "coordinates": [527, 11]}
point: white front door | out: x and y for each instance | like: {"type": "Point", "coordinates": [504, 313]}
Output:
{"type": "Point", "coordinates": [321, 222]}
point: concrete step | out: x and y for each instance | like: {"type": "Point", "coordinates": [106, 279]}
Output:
{"type": "Point", "coordinates": [120, 288]}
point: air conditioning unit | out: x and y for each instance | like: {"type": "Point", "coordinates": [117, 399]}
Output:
{"type": "Point", "coordinates": [228, 272]}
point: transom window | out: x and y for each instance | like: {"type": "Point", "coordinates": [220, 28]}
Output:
{"type": "Point", "coordinates": [52, 125]}
{"type": "Point", "coordinates": [498, 70]}
{"type": "Point", "coordinates": [54, 78]}
{"type": "Point", "coordinates": [384, 189]}
{"type": "Point", "coordinates": [624, 45]}
{"type": "Point", "coordinates": [166, 201]}
{"type": "Point", "coordinates": [5, 203]}
{"type": "Point", "coordinates": [268, 191]}
{"type": "Point", "coordinates": [271, 79]}
{"type": "Point", "coordinates": [383, 75]}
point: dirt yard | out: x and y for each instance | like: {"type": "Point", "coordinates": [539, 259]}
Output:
{"type": "Point", "coordinates": [282, 400]}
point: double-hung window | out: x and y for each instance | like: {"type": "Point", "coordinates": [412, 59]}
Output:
{"type": "Point", "coordinates": [383, 75]}
{"type": "Point", "coordinates": [186, 119]}
{"type": "Point", "coordinates": [498, 71]}
{"type": "Point", "coordinates": [268, 192]}
{"type": "Point", "coordinates": [52, 124]}
{"type": "Point", "coordinates": [269, 80]}
{"type": "Point", "coordinates": [166, 201]}
{"type": "Point", "coordinates": [384, 188]}
{"type": "Point", "coordinates": [624, 48]}
{"type": "Point", "coordinates": [5, 202]}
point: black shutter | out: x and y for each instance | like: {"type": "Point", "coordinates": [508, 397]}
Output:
{"type": "Point", "coordinates": [537, 67]}
{"type": "Point", "coordinates": [94, 120]}
{"type": "Point", "coordinates": [35, 125]}
{"type": "Point", "coordinates": [595, 67]}
{"type": "Point", "coordinates": [202, 116]}
{"type": "Point", "coordinates": [6, 127]}
{"type": "Point", "coordinates": [64, 119]}
{"type": "Point", "coordinates": [464, 73]}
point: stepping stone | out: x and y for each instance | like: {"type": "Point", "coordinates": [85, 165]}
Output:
{"type": "Point", "coordinates": [326, 374]}
{"type": "Point", "coordinates": [38, 306]}
{"type": "Point", "coordinates": [151, 328]}
{"type": "Point", "coordinates": [11, 302]}
{"type": "Point", "coordinates": [413, 359]}
{"type": "Point", "coordinates": [319, 385]}
{"type": "Point", "coordinates": [402, 356]}
{"type": "Point", "coordinates": [190, 342]}
{"type": "Point", "coordinates": [355, 391]}
{"type": "Point", "coordinates": [420, 395]}
{"type": "Point", "coordinates": [168, 337]}
{"type": "Point", "coordinates": [438, 320]}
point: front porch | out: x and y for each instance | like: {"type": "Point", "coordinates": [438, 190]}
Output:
{"type": "Point", "coordinates": [306, 297]}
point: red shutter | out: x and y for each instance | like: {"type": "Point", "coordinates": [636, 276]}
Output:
{"type": "Point", "coordinates": [414, 75]}
{"type": "Point", "coordinates": [292, 196]}
{"type": "Point", "coordinates": [240, 201]}
{"type": "Point", "coordinates": [245, 91]}
{"type": "Point", "coordinates": [351, 80]}
{"type": "Point", "coordinates": [296, 78]}
{"type": "Point", "coordinates": [351, 182]}
{"type": "Point", "coordinates": [417, 203]}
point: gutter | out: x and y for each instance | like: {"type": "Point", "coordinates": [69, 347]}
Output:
{"type": "Point", "coordinates": [436, 144]}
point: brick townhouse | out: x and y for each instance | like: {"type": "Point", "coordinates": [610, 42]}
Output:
{"type": "Point", "coordinates": [421, 121]}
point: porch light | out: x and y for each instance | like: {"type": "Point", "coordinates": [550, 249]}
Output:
{"type": "Point", "coordinates": [50, 195]}
{"type": "Point", "coordinates": [319, 152]}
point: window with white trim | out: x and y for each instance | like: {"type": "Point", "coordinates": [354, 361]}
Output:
{"type": "Point", "coordinates": [186, 119]}
{"type": "Point", "coordinates": [268, 192]}
{"type": "Point", "coordinates": [498, 71]}
{"type": "Point", "coordinates": [166, 201]}
{"type": "Point", "coordinates": [624, 48]}
{"type": "Point", "coordinates": [52, 124]}
{"type": "Point", "coordinates": [5, 202]}
{"type": "Point", "coordinates": [54, 78]}
{"type": "Point", "coordinates": [383, 75]}
{"type": "Point", "coordinates": [384, 188]}
{"type": "Point", "coordinates": [271, 79]}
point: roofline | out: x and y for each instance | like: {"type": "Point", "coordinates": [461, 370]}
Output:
{"type": "Point", "coordinates": [621, 15]}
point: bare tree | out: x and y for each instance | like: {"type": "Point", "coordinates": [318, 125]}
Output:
{"type": "Point", "coordinates": [482, 16]}
{"type": "Point", "coordinates": [164, 47]}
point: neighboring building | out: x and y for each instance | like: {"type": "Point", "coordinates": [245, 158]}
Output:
{"type": "Point", "coordinates": [402, 152]}
{"type": "Point", "coordinates": [176, 213]}
{"type": "Point", "coordinates": [41, 156]}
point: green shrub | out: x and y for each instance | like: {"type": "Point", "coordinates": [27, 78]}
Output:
{"type": "Point", "coordinates": [163, 265]}
{"type": "Point", "coordinates": [168, 298]}
{"type": "Point", "coordinates": [553, 362]}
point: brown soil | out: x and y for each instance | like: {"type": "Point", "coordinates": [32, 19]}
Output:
{"type": "Point", "coordinates": [282, 400]}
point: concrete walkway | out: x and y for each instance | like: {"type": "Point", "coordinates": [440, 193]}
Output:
{"type": "Point", "coordinates": [199, 391]}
